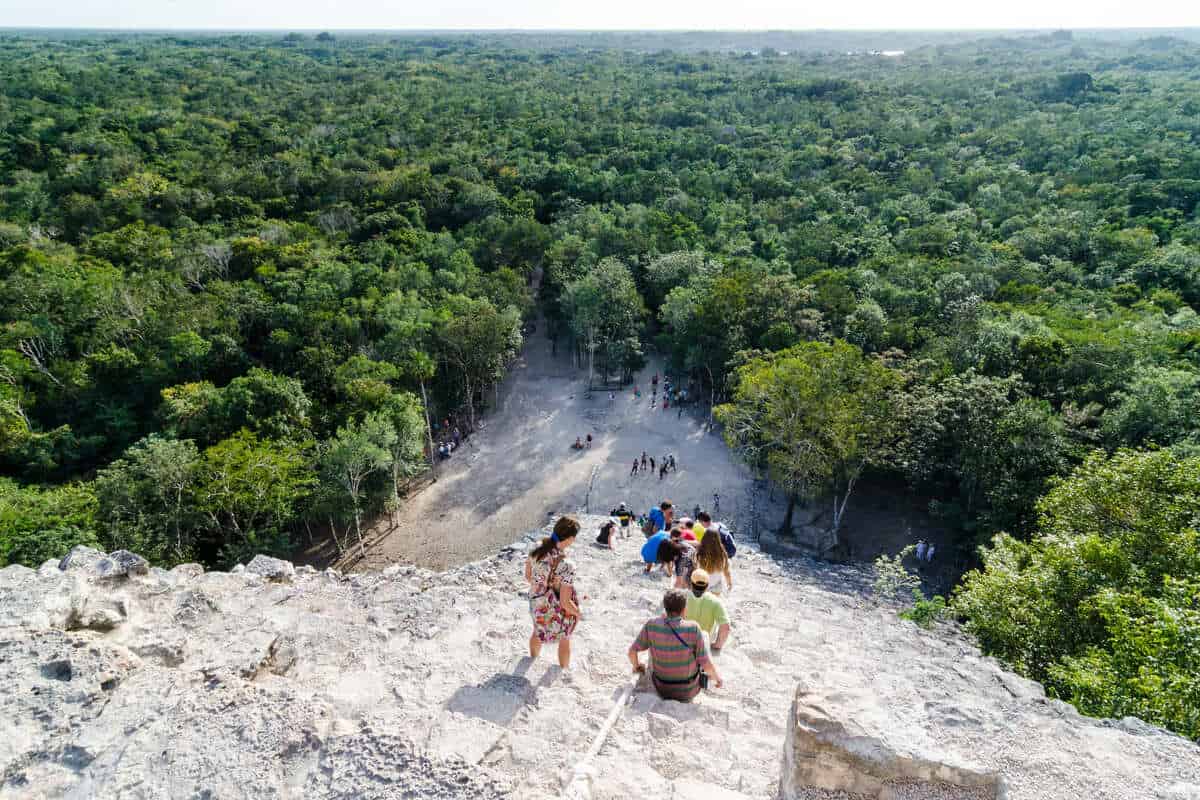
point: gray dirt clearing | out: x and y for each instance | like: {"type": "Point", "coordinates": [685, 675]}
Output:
{"type": "Point", "coordinates": [519, 468]}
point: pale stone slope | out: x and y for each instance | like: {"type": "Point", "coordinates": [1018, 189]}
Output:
{"type": "Point", "coordinates": [116, 683]}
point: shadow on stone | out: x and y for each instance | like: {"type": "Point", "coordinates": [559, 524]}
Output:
{"type": "Point", "coordinates": [498, 699]}
{"type": "Point", "coordinates": [58, 670]}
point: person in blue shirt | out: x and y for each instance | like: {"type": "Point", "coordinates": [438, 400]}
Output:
{"type": "Point", "coordinates": [650, 549]}
{"type": "Point", "coordinates": [660, 518]}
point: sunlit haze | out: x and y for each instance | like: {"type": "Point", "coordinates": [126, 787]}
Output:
{"type": "Point", "coordinates": [613, 14]}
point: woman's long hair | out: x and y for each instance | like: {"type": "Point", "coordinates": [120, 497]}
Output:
{"type": "Point", "coordinates": [566, 528]}
{"type": "Point", "coordinates": [711, 556]}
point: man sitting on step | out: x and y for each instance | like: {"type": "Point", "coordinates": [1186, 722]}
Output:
{"type": "Point", "coordinates": [678, 652]}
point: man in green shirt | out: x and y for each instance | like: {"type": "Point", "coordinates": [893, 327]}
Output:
{"type": "Point", "coordinates": [707, 611]}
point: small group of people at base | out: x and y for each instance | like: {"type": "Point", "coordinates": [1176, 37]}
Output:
{"type": "Point", "coordinates": [925, 551]}
{"type": "Point", "coordinates": [449, 439]}
{"type": "Point", "coordinates": [694, 625]}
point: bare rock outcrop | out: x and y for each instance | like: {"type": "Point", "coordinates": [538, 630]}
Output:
{"type": "Point", "coordinates": [847, 741]}
{"type": "Point", "coordinates": [129, 681]}
{"type": "Point", "coordinates": [81, 557]}
{"type": "Point", "coordinates": [121, 564]}
{"type": "Point", "coordinates": [273, 569]}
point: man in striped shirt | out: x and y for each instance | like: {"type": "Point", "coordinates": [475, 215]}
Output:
{"type": "Point", "coordinates": [678, 651]}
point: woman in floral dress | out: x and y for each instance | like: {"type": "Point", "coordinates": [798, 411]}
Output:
{"type": "Point", "coordinates": [553, 602]}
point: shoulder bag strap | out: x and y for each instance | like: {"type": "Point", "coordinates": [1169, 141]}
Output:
{"type": "Point", "coordinates": [677, 636]}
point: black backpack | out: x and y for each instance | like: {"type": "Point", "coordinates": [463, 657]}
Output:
{"type": "Point", "coordinates": [727, 542]}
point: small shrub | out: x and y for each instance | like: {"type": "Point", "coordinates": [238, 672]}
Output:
{"type": "Point", "coordinates": [892, 578]}
{"type": "Point", "coordinates": [925, 612]}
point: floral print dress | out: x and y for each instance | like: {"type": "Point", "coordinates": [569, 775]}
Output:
{"type": "Point", "coordinates": [550, 621]}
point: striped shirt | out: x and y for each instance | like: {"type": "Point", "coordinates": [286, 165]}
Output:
{"type": "Point", "coordinates": [675, 665]}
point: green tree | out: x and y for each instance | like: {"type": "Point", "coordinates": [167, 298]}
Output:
{"type": "Point", "coordinates": [1102, 604]}
{"type": "Point", "coordinates": [867, 326]}
{"type": "Point", "coordinates": [477, 342]}
{"type": "Point", "coordinates": [408, 325]}
{"type": "Point", "coordinates": [985, 447]}
{"type": "Point", "coordinates": [671, 270]}
{"type": "Point", "coordinates": [358, 451]}
{"type": "Point", "coordinates": [145, 499]}
{"type": "Point", "coordinates": [262, 401]}
{"type": "Point", "coordinates": [39, 523]}
{"type": "Point", "coordinates": [1159, 405]}
{"type": "Point", "coordinates": [248, 492]}
{"type": "Point", "coordinates": [405, 414]}
{"type": "Point", "coordinates": [603, 310]}
{"type": "Point", "coordinates": [815, 415]}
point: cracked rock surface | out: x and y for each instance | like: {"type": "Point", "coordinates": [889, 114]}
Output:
{"type": "Point", "coordinates": [120, 681]}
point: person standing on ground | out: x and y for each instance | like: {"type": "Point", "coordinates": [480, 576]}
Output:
{"type": "Point", "coordinates": [635, 467]}
{"type": "Point", "coordinates": [552, 598]}
{"type": "Point", "coordinates": [643, 459]}
{"type": "Point", "coordinates": [678, 652]}
{"type": "Point", "coordinates": [652, 463]}
{"type": "Point", "coordinates": [929, 553]}
{"type": "Point", "coordinates": [707, 611]}
{"type": "Point", "coordinates": [624, 516]}
{"type": "Point", "coordinates": [921, 550]}
{"type": "Point", "coordinates": [716, 503]}
{"type": "Point", "coordinates": [702, 524]}
{"type": "Point", "coordinates": [712, 558]}
{"type": "Point", "coordinates": [589, 440]}
{"type": "Point", "coordinates": [662, 471]}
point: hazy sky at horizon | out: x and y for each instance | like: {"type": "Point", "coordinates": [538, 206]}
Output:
{"type": "Point", "coordinates": [607, 14]}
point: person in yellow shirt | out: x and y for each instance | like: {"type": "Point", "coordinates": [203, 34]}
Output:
{"type": "Point", "coordinates": [707, 611]}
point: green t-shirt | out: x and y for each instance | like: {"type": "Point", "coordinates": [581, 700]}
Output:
{"type": "Point", "coordinates": [707, 610]}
